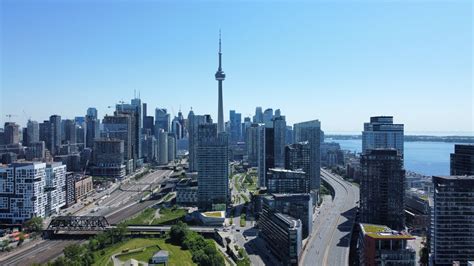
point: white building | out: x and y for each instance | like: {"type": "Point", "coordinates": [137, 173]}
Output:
{"type": "Point", "coordinates": [22, 191]}
{"type": "Point", "coordinates": [55, 187]}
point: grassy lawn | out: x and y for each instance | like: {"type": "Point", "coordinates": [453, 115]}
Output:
{"type": "Point", "coordinates": [144, 255]}
{"type": "Point", "coordinates": [169, 215]}
{"type": "Point", "coordinates": [177, 256]}
{"type": "Point", "coordinates": [145, 217]}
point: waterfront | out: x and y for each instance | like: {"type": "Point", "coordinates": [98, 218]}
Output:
{"type": "Point", "coordinates": [427, 158]}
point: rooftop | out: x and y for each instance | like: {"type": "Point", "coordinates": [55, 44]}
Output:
{"type": "Point", "coordinates": [383, 232]}
{"type": "Point", "coordinates": [218, 214]}
{"type": "Point", "coordinates": [456, 177]}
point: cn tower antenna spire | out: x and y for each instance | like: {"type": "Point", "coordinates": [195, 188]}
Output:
{"type": "Point", "coordinates": [220, 76]}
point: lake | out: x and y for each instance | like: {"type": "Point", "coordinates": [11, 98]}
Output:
{"type": "Point", "coordinates": [427, 158]}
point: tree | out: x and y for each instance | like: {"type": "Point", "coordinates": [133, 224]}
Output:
{"type": "Point", "coordinates": [178, 232]}
{"type": "Point", "coordinates": [21, 238]}
{"type": "Point", "coordinates": [74, 252]}
{"type": "Point", "coordinates": [35, 224]}
{"type": "Point", "coordinates": [4, 244]}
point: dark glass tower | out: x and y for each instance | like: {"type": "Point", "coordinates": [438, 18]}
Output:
{"type": "Point", "coordinates": [220, 76]}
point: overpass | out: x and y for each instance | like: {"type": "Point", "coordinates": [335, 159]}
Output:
{"type": "Point", "coordinates": [91, 225]}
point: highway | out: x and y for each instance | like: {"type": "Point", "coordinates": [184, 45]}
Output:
{"type": "Point", "coordinates": [118, 206]}
{"type": "Point", "coordinates": [329, 242]}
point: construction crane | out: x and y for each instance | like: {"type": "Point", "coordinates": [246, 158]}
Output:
{"type": "Point", "coordinates": [10, 116]}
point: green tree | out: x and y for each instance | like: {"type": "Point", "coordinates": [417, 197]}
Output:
{"type": "Point", "coordinates": [35, 224]}
{"type": "Point", "coordinates": [21, 238]}
{"type": "Point", "coordinates": [178, 232]}
{"type": "Point", "coordinates": [4, 244]}
{"type": "Point", "coordinates": [74, 252]}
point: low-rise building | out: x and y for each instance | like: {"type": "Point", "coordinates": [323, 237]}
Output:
{"type": "Point", "coordinates": [282, 233]}
{"type": "Point", "coordinates": [187, 192]}
{"type": "Point", "coordinates": [83, 186]}
{"type": "Point", "coordinates": [380, 245]}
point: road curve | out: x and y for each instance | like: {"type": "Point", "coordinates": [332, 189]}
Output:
{"type": "Point", "coordinates": [329, 242]}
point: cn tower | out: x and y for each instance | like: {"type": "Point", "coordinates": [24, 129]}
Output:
{"type": "Point", "coordinates": [220, 76]}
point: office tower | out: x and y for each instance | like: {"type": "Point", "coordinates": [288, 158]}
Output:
{"type": "Point", "coordinates": [92, 127]}
{"type": "Point", "coordinates": [11, 133]}
{"type": "Point", "coordinates": [22, 192]}
{"type": "Point", "coordinates": [150, 148]}
{"type": "Point", "coordinates": [310, 131]}
{"type": "Point", "coordinates": [92, 112]}
{"type": "Point", "coordinates": [220, 77]}
{"type": "Point", "coordinates": [162, 147]}
{"type": "Point", "coordinates": [36, 151]}
{"type": "Point", "coordinates": [289, 135]}
{"type": "Point", "coordinates": [235, 126]}
{"type": "Point", "coordinates": [70, 131]}
{"type": "Point", "coordinates": [177, 128]}
{"type": "Point", "coordinates": [162, 120]}
{"type": "Point", "coordinates": [380, 245]}
{"type": "Point", "coordinates": [258, 117]}
{"type": "Point", "coordinates": [452, 226]}
{"type": "Point", "coordinates": [148, 122]}
{"type": "Point", "coordinates": [32, 132]}
{"type": "Point", "coordinates": [382, 188]}
{"type": "Point", "coordinates": [171, 147]}
{"type": "Point", "coordinates": [108, 158]}
{"type": "Point", "coordinates": [81, 134]}
{"type": "Point", "coordinates": [55, 134]}
{"type": "Point", "coordinates": [462, 160]}
{"type": "Point", "coordinates": [268, 115]}
{"type": "Point", "coordinates": [251, 142]}
{"type": "Point", "coordinates": [277, 113]}
{"type": "Point", "coordinates": [45, 133]}
{"type": "Point", "coordinates": [55, 188]}
{"type": "Point", "coordinates": [286, 181]}
{"type": "Point", "coordinates": [213, 168]}
{"type": "Point", "coordinates": [279, 130]}
{"type": "Point", "coordinates": [382, 133]}
{"type": "Point", "coordinates": [119, 127]}
{"type": "Point", "coordinates": [282, 233]}
{"type": "Point", "coordinates": [193, 123]}
{"type": "Point", "coordinates": [134, 110]}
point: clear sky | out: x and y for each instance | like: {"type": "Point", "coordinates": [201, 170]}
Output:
{"type": "Point", "coordinates": [337, 61]}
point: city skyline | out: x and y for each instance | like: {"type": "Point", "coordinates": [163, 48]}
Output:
{"type": "Point", "coordinates": [420, 51]}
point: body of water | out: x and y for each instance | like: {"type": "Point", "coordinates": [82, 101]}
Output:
{"type": "Point", "coordinates": [427, 158]}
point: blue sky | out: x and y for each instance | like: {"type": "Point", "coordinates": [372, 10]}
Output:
{"type": "Point", "coordinates": [337, 61]}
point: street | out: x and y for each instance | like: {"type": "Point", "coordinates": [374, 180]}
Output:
{"type": "Point", "coordinates": [330, 240]}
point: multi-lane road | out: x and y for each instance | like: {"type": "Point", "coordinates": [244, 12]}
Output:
{"type": "Point", "coordinates": [329, 242]}
{"type": "Point", "coordinates": [117, 206]}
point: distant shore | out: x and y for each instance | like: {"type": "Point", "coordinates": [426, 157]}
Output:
{"type": "Point", "coordinates": [456, 139]}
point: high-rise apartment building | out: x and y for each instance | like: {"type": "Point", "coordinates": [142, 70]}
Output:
{"type": "Point", "coordinates": [462, 160]}
{"type": "Point", "coordinates": [382, 188]}
{"type": "Point", "coordinates": [297, 157]}
{"type": "Point", "coordinates": [70, 131]}
{"type": "Point", "coordinates": [108, 158]}
{"type": "Point", "coordinates": [119, 127]}
{"type": "Point", "coordinates": [279, 136]}
{"type": "Point", "coordinates": [251, 143]}
{"type": "Point", "coordinates": [55, 188]}
{"type": "Point", "coordinates": [213, 168]}
{"type": "Point", "coordinates": [92, 127]}
{"type": "Point", "coordinates": [193, 123]}
{"type": "Point", "coordinates": [452, 226]}
{"type": "Point", "coordinates": [310, 131]}
{"type": "Point", "coordinates": [171, 147]}
{"type": "Point", "coordinates": [134, 110]}
{"type": "Point", "coordinates": [382, 133]}
{"type": "Point", "coordinates": [22, 192]}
